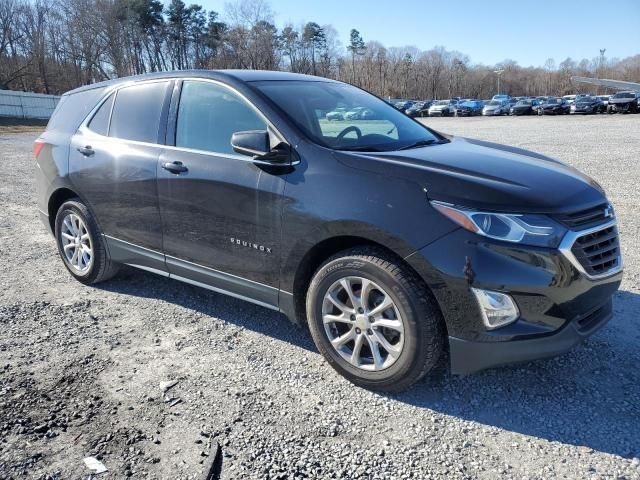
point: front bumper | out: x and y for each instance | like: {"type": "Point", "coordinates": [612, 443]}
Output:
{"type": "Point", "coordinates": [621, 107]}
{"type": "Point", "coordinates": [470, 357]}
{"type": "Point", "coordinates": [553, 296]}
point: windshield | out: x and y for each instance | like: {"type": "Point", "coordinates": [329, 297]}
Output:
{"type": "Point", "coordinates": [442, 102]}
{"type": "Point", "coordinates": [524, 102]}
{"type": "Point", "coordinates": [624, 95]}
{"type": "Point", "coordinates": [553, 100]}
{"type": "Point", "coordinates": [494, 103]}
{"type": "Point", "coordinates": [370, 124]}
{"type": "Point", "coordinates": [585, 100]}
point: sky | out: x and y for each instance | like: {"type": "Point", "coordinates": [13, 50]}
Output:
{"type": "Point", "coordinates": [488, 31]}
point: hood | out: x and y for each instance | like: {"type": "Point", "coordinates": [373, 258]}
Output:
{"type": "Point", "coordinates": [438, 107]}
{"type": "Point", "coordinates": [488, 176]}
{"type": "Point", "coordinates": [621, 100]}
{"type": "Point", "coordinates": [492, 107]}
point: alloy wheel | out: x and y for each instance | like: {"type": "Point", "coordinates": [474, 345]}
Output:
{"type": "Point", "coordinates": [363, 323]}
{"type": "Point", "coordinates": [76, 243]}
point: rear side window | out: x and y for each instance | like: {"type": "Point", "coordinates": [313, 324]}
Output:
{"type": "Point", "coordinates": [100, 121]}
{"type": "Point", "coordinates": [136, 112]}
{"type": "Point", "coordinates": [209, 114]}
{"type": "Point", "coordinates": [72, 109]}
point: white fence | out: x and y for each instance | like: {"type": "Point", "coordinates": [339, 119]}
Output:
{"type": "Point", "coordinates": [27, 105]}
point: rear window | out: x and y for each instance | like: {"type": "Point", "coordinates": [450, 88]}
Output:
{"type": "Point", "coordinates": [136, 112]}
{"type": "Point", "coordinates": [72, 109]}
{"type": "Point", "coordinates": [100, 121]}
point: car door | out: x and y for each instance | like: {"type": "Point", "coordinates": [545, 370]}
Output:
{"type": "Point", "coordinates": [220, 210]}
{"type": "Point", "coordinates": [112, 164]}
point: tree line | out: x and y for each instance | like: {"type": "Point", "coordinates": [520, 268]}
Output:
{"type": "Point", "coordinates": [52, 46]}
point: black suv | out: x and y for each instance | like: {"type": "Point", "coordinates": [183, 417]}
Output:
{"type": "Point", "coordinates": [397, 245]}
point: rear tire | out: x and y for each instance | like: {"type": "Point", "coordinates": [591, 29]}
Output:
{"type": "Point", "coordinates": [81, 244]}
{"type": "Point", "coordinates": [408, 335]}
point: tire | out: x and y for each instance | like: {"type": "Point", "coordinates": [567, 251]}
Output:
{"type": "Point", "coordinates": [100, 267]}
{"type": "Point", "coordinates": [423, 334]}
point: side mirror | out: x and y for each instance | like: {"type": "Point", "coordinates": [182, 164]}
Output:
{"type": "Point", "coordinates": [256, 144]}
{"type": "Point", "coordinates": [251, 142]}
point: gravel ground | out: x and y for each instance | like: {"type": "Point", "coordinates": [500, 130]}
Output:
{"type": "Point", "coordinates": [81, 367]}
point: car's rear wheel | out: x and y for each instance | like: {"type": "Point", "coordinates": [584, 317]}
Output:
{"type": "Point", "coordinates": [81, 244]}
{"type": "Point", "coordinates": [373, 320]}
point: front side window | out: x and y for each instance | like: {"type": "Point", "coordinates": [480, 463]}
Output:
{"type": "Point", "coordinates": [209, 114]}
{"type": "Point", "coordinates": [342, 117]}
{"type": "Point", "coordinates": [100, 121]}
{"type": "Point", "coordinates": [137, 110]}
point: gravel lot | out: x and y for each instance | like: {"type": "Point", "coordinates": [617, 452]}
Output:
{"type": "Point", "coordinates": [81, 367]}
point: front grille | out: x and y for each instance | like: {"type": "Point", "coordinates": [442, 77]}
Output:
{"type": "Point", "coordinates": [598, 252]}
{"type": "Point", "coordinates": [589, 217]}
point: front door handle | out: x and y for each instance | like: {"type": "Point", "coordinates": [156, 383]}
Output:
{"type": "Point", "coordinates": [175, 167]}
{"type": "Point", "coordinates": [86, 151]}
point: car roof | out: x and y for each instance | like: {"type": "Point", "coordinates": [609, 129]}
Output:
{"type": "Point", "coordinates": [222, 75]}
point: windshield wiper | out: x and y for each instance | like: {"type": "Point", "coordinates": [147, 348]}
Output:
{"type": "Point", "coordinates": [360, 148]}
{"type": "Point", "coordinates": [421, 143]}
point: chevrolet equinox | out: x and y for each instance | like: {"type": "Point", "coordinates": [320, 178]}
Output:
{"type": "Point", "coordinates": [400, 247]}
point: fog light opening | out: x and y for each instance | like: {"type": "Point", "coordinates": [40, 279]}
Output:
{"type": "Point", "coordinates": [497, 309]}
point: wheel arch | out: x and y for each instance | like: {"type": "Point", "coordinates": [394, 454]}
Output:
{"type": "Point", "coordinates": [57, 198]}
{"type": "Point", "coordinates": [325, 249]}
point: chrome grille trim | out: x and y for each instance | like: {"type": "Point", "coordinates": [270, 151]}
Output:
{"type": "Point", "coordinates": [570, 238]}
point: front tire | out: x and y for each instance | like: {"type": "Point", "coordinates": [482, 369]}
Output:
{"type": "Point", "coordinates": [81, 244]}
{"type": "Point", "coordinates": [373, 320]}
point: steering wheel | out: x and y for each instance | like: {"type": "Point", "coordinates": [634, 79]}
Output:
{"type": "Point", "coordinates": [349, 129]}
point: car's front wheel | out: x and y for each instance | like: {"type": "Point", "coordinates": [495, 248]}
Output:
{"type": "Point", "coordinates": [81, 244]}
{"type": "Point", "coordinates": [373, 320]}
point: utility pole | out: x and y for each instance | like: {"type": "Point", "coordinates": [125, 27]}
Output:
{"type": "Point", "coordinates": [600, 65]}
{"type": "Point", "coordinates": [499, 72]}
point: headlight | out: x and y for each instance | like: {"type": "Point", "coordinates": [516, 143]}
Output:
{"type": "Point", "coordinates": [528, 229]}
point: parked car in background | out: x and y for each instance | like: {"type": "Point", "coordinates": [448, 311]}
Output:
{"type": "Point", "coordinates": [496, 107]}
{"type": "Point", "coordinates": [419, 109]}
{"type": "Point", "coordinates": [360, 113]}
{"type": "Point", "coordinates": [403, 106]}
{"type": "Point", "coordinates": [604, 99]}
{"type": "Point", "coordinates": [570, 98]}
{"type": "Point", "coordinates": [337, 114]}
{"type": "Point", "coordinates": [588, 105]}
{"type": "Point", "coordinates": [469, 108]}
{"type": "Point", "coordinates": [623, 102]}
{"type": "Point", "coordinates": [442, 108]}
{"type": "Point", "coordinates": [501, 98]}
{"type": "Point", "coordinates": [524, 107]}
{"type": "Point", "coordinates": [555, 106]}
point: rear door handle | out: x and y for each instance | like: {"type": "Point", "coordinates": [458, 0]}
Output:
{"type": "Point", "coordinates": [86, 151]}
{"type": "Point", "coordinates": [175, 167]}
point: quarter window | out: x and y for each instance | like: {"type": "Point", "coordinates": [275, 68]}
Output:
{"type": "Point", "coordinates": [209, 114]}
{"type": "Point", "coordinates": [137, 110]}
{"type": "Point", "coordinates": [100, 121]}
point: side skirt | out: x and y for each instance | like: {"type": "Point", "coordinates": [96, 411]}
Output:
{"type": "Point", "coordinates": [197, 275]}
